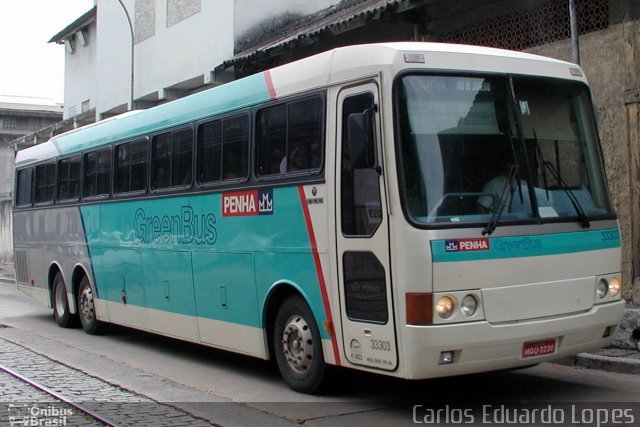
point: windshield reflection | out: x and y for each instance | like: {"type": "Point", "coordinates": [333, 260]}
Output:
{"type": "Point", "coordinates": [462, 135]}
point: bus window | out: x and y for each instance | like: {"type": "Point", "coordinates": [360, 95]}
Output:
{"type": "Point", "coordinates": [97, 173]}
{"type": "Point", "coordinates": [360, 191]}
{"type": "Point", "coordinates": [131, 166]}
{"type": "Point", "coordinates": [272, 140]}
{"type": "Point", "coordinates": [223, 148]}
{"type": "Point", "coordinates": [290, 137]}
{"type": "Point", "coordinates": [304, 135]}
{"type": "Point", "coordinates": [171, 159]}
{"type": "Point", "coordinates": [69, 178]}
{"type": "Point", "coordinates": [45, 182]}
{"type": "Point", "coordinates": [24, 187]}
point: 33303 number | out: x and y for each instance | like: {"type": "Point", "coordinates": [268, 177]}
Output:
{"type": "Point", "coordinates": [381, 345]}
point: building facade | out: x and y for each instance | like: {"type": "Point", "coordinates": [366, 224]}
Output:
{"type": "Point", "coordinates": [18, 116]}
{"type": "Point", "coordinates": [184, 46]}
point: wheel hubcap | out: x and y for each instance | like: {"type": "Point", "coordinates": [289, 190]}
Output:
{"type": "Point", "coordinates": [297, 344]}
{"type": "Point", "coordinates": [86, 304]}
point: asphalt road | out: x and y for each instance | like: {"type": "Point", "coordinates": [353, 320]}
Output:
{"type": "Point", "coordinates": [231, 390]}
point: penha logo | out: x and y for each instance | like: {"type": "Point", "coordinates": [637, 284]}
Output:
{"type": "Point", "coordinates": [248, 203]}
{"type": "Point", "coordinates": [466, 245]}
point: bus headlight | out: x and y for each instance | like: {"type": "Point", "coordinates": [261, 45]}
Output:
{"type": "Point", "coordinates": [445, 307]}
{"type": "Point", "coordinates": [601, 288]}
{"type": "Point", "coordinates": [615, 286]}
{"type": "Point", "coordinates": [469, 305]}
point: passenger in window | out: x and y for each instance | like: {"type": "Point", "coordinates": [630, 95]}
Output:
{"type": "Point", "coordinates": [493, 190]}
{"type": "Point", "coordinates": [299, 159]}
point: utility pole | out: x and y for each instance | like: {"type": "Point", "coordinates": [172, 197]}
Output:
{"type": "Point", "coordinates": [575, 43]}
{"type": "Point", "coordinates": [131, 106]}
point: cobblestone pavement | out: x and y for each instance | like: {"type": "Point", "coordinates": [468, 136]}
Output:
{"type": "Point", "coordinates": [125, 408]}
{"type": "Point", "coordinates": [30, 406]}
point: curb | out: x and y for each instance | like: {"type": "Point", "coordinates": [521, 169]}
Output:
{"type": "Point", "coordinates": [7, 280]}
{"type": "Point", "coordinates": [618, 365]}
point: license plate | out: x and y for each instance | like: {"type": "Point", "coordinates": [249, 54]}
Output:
{"type": "Point", "coordinates": [538, 348]}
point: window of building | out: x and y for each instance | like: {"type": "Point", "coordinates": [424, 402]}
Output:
{"type": "Point", "coordinates": [131, 166]}
{"type": "Point", "coordinates": [290, 137]}
{"type": "Point", "coordinates": [45, 182]}
{"type": "Point", "coordinates": [35, 123]}
{"type": "Point", "coordinates": [97, 173]}
{"type": "Point", "coordinates": [223, 149]}
{"type": "Point", "coordinates": [171, 159]}
{"type": "Point", "coordinates": [9, 122]}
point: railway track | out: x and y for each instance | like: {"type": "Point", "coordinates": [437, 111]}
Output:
{"type": "Point", "coordinates": [62, 415]}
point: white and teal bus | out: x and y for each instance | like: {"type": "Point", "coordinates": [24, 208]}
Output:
{"type": "Point", "coordinates": [412, 209]}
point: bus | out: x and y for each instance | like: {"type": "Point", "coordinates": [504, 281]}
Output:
{"type": "Point", "coordinates": [412, 209]}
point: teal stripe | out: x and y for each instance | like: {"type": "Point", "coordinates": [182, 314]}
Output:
{"type": "Point", "coordinates": [220, 100]}
{"type": "Point", "coordinates": [180, 254]}
{"type": "Point", "coordinates": [531, 246]}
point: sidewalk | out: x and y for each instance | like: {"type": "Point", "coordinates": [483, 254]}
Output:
{"type": "Point", "coordinates": [7, 273]}
{"type": "Point", "coordinates": [623, 357]}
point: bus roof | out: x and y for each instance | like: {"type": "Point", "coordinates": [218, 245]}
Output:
{"type": "Point", "coordinates": [338, 65]}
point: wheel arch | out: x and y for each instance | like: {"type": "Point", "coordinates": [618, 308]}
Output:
{"type": "Point", "coordinates": [276, 295]}
{"type": "Point", "coordinates": [79, 271]}
{"type": "Point", "coordinates": [54, 268]}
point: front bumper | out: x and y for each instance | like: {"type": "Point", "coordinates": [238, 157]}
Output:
{"type": "Point", "coordinates": [482, 346]}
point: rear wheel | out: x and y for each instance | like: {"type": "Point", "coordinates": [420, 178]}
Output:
{"type": "Point", "coordinates": [298, 347]}
{"type": "Point", "coordinates": [61, 312]}
{"type": "Point", "coordinates": [87, 310]}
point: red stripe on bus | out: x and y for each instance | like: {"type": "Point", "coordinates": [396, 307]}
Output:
{"type": "Point", "coordinates": [269, 83]}
{"type": "Point", "coordinates": [323, 284]}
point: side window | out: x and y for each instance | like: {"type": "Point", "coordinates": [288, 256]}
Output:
{"type": "Point", "coordinates": [290, 137]}
{"type": "Point", "coordinates": [131, 166]}
{"type": "Point", "coordinates": [24, 187]}
{"type": "Point", "coordinates": [69, 178]}
{"type": "Point", "coordinates": [272, 140]}
{"type": "Point", "coordinates": [45, 182]}
{"type": "Point", "coordinates": [304, 134]}
{"type": "Point", "coordinates": [97, 173]}
{"type": "Point", "coordinates": [171, 159]}
{"type": "Point", "coordinates": [359, 189]}
{"type": "Point", "coordinates": [223, 148]}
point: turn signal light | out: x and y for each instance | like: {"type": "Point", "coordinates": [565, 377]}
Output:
{"type": "Point", "coordinates": [419, 308]}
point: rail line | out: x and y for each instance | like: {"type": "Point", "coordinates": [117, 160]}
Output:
{"type": "Point", "coordinates": [87, 411]}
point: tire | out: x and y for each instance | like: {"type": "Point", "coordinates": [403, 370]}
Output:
{"type": "Point", "coordinates": [60, 303]}
{"type": "Point", "coordinates": [298, 347]}
{"type": "Point", "coordinates": [87, 309]}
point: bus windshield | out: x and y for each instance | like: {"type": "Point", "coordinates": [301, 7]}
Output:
{"type": "Point", "coordinates": [524, 148]}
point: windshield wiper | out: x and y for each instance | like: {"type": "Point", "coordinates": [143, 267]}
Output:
{"type": "Point", "coordinates": [504, 198]}
{"type": "Point", "coordinates": [582, 216]}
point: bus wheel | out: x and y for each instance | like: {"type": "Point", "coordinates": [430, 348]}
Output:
{"type": "Point", "coordinates": [61, 312]}
{"type": "Point", "coordinates": [298, 347]}
{"type": "Point", "coordinates": [87, 310]}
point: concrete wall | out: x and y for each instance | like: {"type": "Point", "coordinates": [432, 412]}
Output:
{"type": "Point", "coordinates": [80, 75]}
{"type": "Point", "coordinates": [178, 43]}
{"type": "Point", "coordinates": [609, 58]}
{"type": "Point", "coordinates": [7, 156]}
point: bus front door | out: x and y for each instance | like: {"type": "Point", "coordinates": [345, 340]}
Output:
{"type": "Point", "coordinates": [363, 233]}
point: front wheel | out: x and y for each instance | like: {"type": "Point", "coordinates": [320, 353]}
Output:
{"type": "Point", "coordinates": [87, 309]}
{"type": "Point", "coordinates": [298, 347]}
{"type": "Point", "coordinates": [61, 312]}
